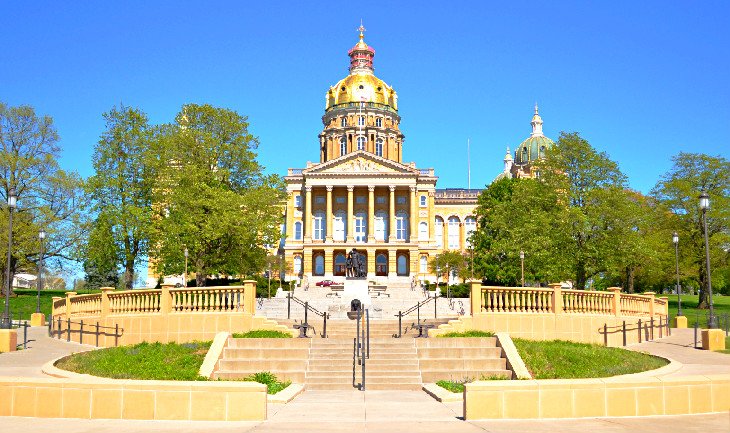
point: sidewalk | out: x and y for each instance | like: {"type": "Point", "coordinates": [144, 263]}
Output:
{"type": "Point", "coordinates": [41, 349]}
{"type": "Point", "coordinates": [680, 347]}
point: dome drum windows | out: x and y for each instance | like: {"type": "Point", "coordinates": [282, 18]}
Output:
{"type": "Point", "coordinates": [379, 147]}
{"type": "Point", "coordinates": [343, 146]}
{"type": "Point", "coordinates": [361, 142]}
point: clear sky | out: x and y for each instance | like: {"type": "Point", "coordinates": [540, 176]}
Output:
{"type": "Point", "coordinates": [640, 80]}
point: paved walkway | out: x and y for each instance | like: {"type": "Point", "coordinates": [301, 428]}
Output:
{"type": "Point", "coordinates": [373, 411]}
{"type": "Point", "coordinates": [41, 349]}
{"type": "Point", "coordinates": [680, 347]}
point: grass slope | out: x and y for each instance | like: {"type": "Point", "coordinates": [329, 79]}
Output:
{"type": "Point", "coordinates": [468, 333]}
{"type": "Point", "coordinates": [689, 308]}
{"type": "Point", "coordinates": [24, 304]}
{"type": "Point", "coordinates": [567, 360]}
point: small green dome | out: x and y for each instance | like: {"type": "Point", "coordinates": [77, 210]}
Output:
{"type": "Point", "coordinates": [532, 149]}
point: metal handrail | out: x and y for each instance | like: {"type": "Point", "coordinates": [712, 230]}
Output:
{"type": "Point", "coordinates": [307, 308]}
{"type": "Point", "coordinates": [118, 332]}
{"type": "Point", "coordinates": [416, 308]}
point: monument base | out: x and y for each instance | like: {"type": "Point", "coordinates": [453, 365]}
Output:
{"type": "Point", "coordinates": [37, 319]}
{"type": "Point", "coordinates": [356, 288]}
{"type": "Point", "coordinates": [8, 340]}
{"type": "Point", "coordinates": [713, 339]}
{"type": "Point", "coordinates": [679, 322]}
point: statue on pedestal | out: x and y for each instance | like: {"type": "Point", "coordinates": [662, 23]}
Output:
{"type": "Point", "coordinates": [355, 264]}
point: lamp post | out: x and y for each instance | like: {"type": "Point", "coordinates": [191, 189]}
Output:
{"type": "Point", "coordinates": [41, 237]}
{"type": "Point", "coordinates": [522, 262]}
{"type": "Point", "coordinates": [12, 200]}
{"type": "Point", "coordinates": [675, 241]}
{"type": "Point", "coordinates": [185, 277]}
{"type": "Point", "coordinates": [704, 205]}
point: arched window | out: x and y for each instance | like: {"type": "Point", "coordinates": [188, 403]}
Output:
{"type": "Point", "coordinates": [379, 122]}
{"type": "Point", "coordinates": [423, 265]}
{"type": "Point", "coordinates": [381, 265]}
{"type": "Point", "coordinates": [401, 226]}
{"type": "Point", "coordinates": [470, 224]}
{"type": "Point", "coordinates": [319, 264]}
{"type": "Point", "coordinates": [439, 232]}
{"type": "Point", "coordinates": [340, 263]}
{"type": "Point", "coordinates": [381, 225]}
{"type": "Point", "coordinates": [343, 121]}
{"type": "Point", "coordinates": [318, 226]}
{"type": "Point", "coordinates": [361, 143]}
{"type": "Point", "coordinates": [361, 121]}
{"type": "Point", "coordinates": [297, 265]}
{"type": "Point", "coordinates": [339, 226]}
{"type": "Point", "coordinates": [542, 151]}
{"type": "Point", "coordinates": [379, 147]}
{"type": "Point", "coordinates": [524, 154]}
{"type": "Point", "coordinates": [343, 146]}
{"type": "Point", "coordinates": [361, 227]}
{"type": "Point", "coordinates": [423, 231]}
{"type": "Point", "coordinates": [298, 231]}
{"type": "Point", "coordinates": [423, 201]}
{"type": "Point", "coordinates": [402, 267]}
{"type": "Point", "coordinates": [454, 233]}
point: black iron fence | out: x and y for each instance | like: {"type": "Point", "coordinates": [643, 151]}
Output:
{"type": "Point", "coordinates": [702, 318]}
{"type": "Point", "coordinates": [644, 329]}
{"type": "Point", "coordinates": [305, 325]}
{"type": "Point", "coordinates": [24, 325]}
{"type": "Point", "coordinates": [91, 329]}
{"type": "Point", "coordinates": [417, 308]}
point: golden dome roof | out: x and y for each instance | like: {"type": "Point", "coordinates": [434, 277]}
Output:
{"type": "Point", "coordinates": [362, 85]}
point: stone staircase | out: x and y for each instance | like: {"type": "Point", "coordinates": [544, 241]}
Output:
{"type": "Point", "coordinates": [459, 359]}
{"type": "Point", "coordinates": [287, 358]}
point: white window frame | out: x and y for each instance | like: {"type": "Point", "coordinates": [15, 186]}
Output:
{"type": "Point", "coordinates": [378, 122]}
{"type": "Point", "coordinates": [339, 227]}
{"type": "Point", "coordinates": [424, 201]}
{"type": "Point", "coordinates": [319, 229]}
{"type": "Point", "coordinates": [297, 265]}
{"type": "Point", "coordinates": [297, 230]}
{"type": "Point", "coordinates": [454, 233]}
{"type": "Point", "coordinates": [439, 232]}
{"type": "Point", "coordinates": [470, 225]}
{"type": "Point", "coordinates": [361, 121]}
{"type": "Point", "coordinates": [423, 231]}
{"type": "Point", "coordinates": [361, 227]}
{"type": "Point", "coordinates": [298, 200]}
{"type": "Point", "coordinates": [379, 147]}
{"type": "Point", "coordinates": [401, 226]}
{"type": "Point", "coordinates": [423, 263]}
{"type": "Point", "coordinates": [343, 121]}
{"type": "Point", "coordinates": [343, 146]}
{"type": "Point", "coordinates": [361, 142]}
{"type": "Point", "coordinates": [381, 226]}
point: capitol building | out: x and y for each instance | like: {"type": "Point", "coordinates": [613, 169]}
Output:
{"type": "Point", "coordinates": [361, 194]}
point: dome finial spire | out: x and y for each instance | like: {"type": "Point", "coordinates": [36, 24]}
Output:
{"type": "Point", "coordinates": [536, 124]}
{"type": "Point", "coordinates": [361, 29]}
{"type": "Point", "coordinates": [535, 107]}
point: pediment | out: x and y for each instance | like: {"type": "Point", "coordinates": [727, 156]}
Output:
{"type": "Point", "coordinates": [360, 162]}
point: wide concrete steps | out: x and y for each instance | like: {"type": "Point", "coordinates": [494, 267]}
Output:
{"type": "Point", "coordinates": [287, 358]}
{"type": "Point", "coordinates": [460, 359]}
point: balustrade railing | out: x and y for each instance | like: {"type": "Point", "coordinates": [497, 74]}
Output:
{"type": "Point", "coordinates": [555, 300]}
{"type": "Point", "coordinates": [158, 301]}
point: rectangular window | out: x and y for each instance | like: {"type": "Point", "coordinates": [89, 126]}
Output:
{"type": "Point", "coordinates": [340, 200]}
{"type": "Point", "coordinates": [320, 199]}
{"type": "Point", "coordinates": [380, 200]}
{"type": "Point", "coordinates": [401, 199]}
{"type": "Point", "coordinates": [361, 199]}
{"type": "Point", "coordinates": [297, 201]}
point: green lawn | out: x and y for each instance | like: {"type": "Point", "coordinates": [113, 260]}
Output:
{"type": "Point", "coordinates": [567, 360]}
{"type": "Point", "coordinates": [468, 333]}
{"type": "Point", "coordinates": [727, 346]}
{"type": "Point", "coordinates": [689, 308]}
{"type": "Point", "coordinates": [262, 333]}
{"type": "Point", "coordinates": [24, 304]}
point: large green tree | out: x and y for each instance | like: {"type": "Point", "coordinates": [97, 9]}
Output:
{"type": "Point", "coordinates": [678, 190]}
{"type": "Point", "coordinates": [48, 197]}
{"type": "Point", "coordinates": [212, 196]}
{"type": "Point", "coordinates": [121, 195]}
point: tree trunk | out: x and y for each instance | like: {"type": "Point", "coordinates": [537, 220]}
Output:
{"type": "Point", "coordinates": [580, 276]}
{"type": "Point", "coordinates": [703, 302]}
{"type": "Point", "coordinates": [629, 282]}
{"type": "Point", "coordinates": [129, 274]}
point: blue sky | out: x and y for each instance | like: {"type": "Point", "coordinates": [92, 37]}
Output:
{"type": "Point", "coordinates": [640, 80]}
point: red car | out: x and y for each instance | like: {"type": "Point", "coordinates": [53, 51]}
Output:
{"type": "Point", "coordinates": [326, 283]}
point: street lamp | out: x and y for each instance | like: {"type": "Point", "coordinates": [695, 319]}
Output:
{"type": "Point", "coordinates": [522, 261]}
{"type": "Point", "coordinates": [41, 237]}
{"type": "Point", "coordinates": [704, 205]}
{"type": "Point", "coordinates": [185, 277]}
{"type": "Point", "coordinates": [675, 241]}
{"type": "Point", "coordinates": [12, 200]}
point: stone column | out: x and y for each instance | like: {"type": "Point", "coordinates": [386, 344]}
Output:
{"type": "Point", "coordinates": [249, 297]}
{"type": "Point", "coordinates": [476, 297]}
{"type": "Point", "coordinates": [69, 295]}
{"type": "Point", "coordinates": [431, 218]}
{"type": "Point", "coordinates": [557, 300]}
{"type": "Point", "coordinates": [413, 218]}
{"type": "Point", "coordinates": [371, 263]}
{"type": "Point", "coordinates": [328, 263]}
{"type": "Point", "coordinates": [350, 212]}
{"type": "Point", "coordinates": [616, 305]}
{"type": "Point", "coordinates": [105, 304]}
{"type": "Point", "coordinates": [392, 263]}
{"type": "Point", "coordinates": [329, 217]}
{"type": "Point", "coordinates": [307, 214]}
{"type": "Point", "coordinates": [371, 214]}
{"type": "Point", "coordinates": [651, 296]}
{"type": "Point", "coordinates": [391, 217]}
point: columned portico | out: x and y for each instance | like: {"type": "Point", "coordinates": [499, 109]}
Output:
{"type": "Point", "coordinates": [391, 215]}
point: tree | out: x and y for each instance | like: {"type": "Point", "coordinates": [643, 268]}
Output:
{"type": "Point", "coordinates": [47, 196]}
{"type": "Point", "coordinates": [101, 266]}
{"type": "Point", "coordinates": [678, 190]}
{"type": "Point", "coordinates": [452, 262]}
{"type": "Point", "coordinates": [121, 194]}
{"type": "Point", "coordinates": [212, 196]}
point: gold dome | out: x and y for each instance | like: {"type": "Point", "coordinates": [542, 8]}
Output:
{"type": "Point", "coordinates": [362, 87]}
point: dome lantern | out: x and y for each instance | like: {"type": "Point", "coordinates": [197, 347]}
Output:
{"type": "Point", "coordinates": [536, 145]}
{"type": "Point", "coordinates": [361, 55]}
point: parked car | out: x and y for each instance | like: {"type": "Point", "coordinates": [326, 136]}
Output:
{"type": "Point", "coordinates": [326, 283]}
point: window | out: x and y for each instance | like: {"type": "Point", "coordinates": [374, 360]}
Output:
{"type": "Point", "coordinates": [381, 226]}
{"type": "Point", "coordinates": [542, 152]}
{"type": "Point", "coordinates": [423, 231]}
{"type": "Point", "coordinates": [402, 265]}
{"type": "Point", "coordinates": [423, 265]}
{"type": "Point", "coordinates": [380, 200]}
{"type": "Point", "coordinates": [381, 265]}
{"type": "Point", "coordinates": [401, 226]}
{"type": "Point", "coordinates": [361, 121]}
{"type": "Point", "coordinates": [423, 201]}
{"type": "Point", "coordinates": [360, 199]}
{"type": "Point", "coordinates": [297, 201]}
{"type": "Point", "coordinates": [320, 199]}
{"type": "Point", "coordinates": [360, 227]}
{"type": "Point", "coordinates": [439, 232]}
{"type": "Point", "coordinates": [340, 263]}
{"type": "Point", "coordinates": [297, 265]}
{"type": "Point", "coordinates": [361, 143]}
{"type": "Point", "coordinates": [343, 121]}
{"type": "Point", "coordinates": [298, 231]}
{"type": "Point", "coordinates": [470, 224]}
{"type": "Point", "coordinates": [318, 227]}
{"type": "Point", "coordinates": [339, 227]}
{"type": "Point", "coordinates": [343, 146]}
{"type": "Point", "coordinates": [340, 200]}
{"type": "Point", "coordinates": [454, 233]}
{"type": "Point", "coordinates": [400, 199]}
{"type": "Point", "coordinates": [319, 265]}
{"type": "Point", "coordinates": [379, 147]}
{"type": "Point", "coordinates": [379, 122]}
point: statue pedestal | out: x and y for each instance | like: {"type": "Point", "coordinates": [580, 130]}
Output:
{"type": "Point", "coordinates": [356, 288]}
